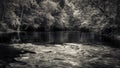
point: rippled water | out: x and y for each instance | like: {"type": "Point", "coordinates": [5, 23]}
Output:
{"type": "Point", "coordinates": [8, 52]}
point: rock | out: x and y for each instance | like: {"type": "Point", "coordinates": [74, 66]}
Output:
{"type": "Point", "coordinates": [24, 58]}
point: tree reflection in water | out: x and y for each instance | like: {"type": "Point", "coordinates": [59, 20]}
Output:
{"type": "Point", "coordinates": [51, 37]}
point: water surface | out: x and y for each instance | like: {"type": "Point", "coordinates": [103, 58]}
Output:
{"type": "Point", "coordinates": [51, 37]}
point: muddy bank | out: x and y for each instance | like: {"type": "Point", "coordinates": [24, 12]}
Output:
{"type": "Point", "coordinates": [67, 55]}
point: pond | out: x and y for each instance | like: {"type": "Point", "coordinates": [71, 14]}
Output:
{"type": "Point", "coordinates": [51, 37]}
{"type": "Point", "coordinates": [95, 52]}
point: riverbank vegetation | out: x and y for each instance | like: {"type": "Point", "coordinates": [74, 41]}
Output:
{"type": "Point", "coordinates": [53, 15]}
{"type": "Point", "coordinates": [77, 42]}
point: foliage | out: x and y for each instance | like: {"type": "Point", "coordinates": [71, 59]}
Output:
{"type": "Point", "coordinates": [47, 15]}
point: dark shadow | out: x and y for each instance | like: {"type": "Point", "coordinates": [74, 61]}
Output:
{"type": "Point", "coordinates": [8, 55]}
{"type": "Point", "coordinates": [111, 41]}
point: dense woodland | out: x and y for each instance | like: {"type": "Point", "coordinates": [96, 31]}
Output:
{"type": "Point", "coordinates": [48, 15]}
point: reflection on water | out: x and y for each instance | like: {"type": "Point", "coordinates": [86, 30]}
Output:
{"type": "Point", "coordinates": [51, 37]}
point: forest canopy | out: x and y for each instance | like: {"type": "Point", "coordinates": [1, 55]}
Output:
{"type": "Point", "coordinates": [47, 15]}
